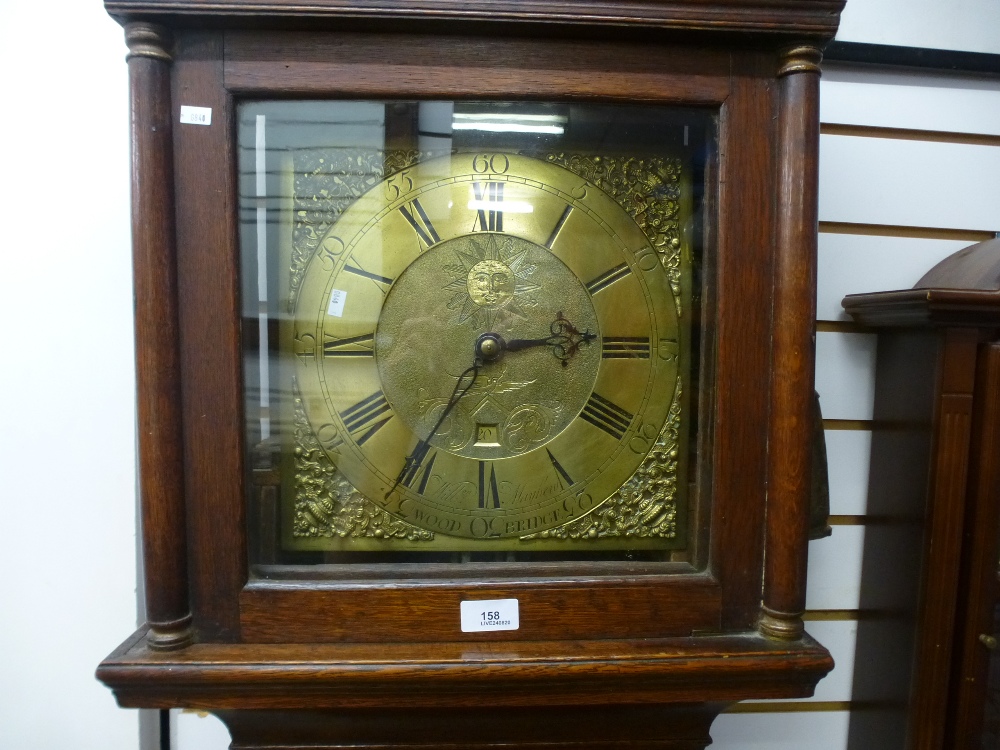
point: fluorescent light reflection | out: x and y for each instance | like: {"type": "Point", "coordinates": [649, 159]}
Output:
{"type": "Point", "coordinates": [510, 123]}
{"type": "Point", "coordinates": [508, 127]}
{"type": "Point", "coordinates": [508, 207]}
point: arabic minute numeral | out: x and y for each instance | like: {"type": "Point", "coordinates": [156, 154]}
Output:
{"type": "Point", "coordinates": [643, 439]}
{"type": "Point", "coordinates": [667, 349]}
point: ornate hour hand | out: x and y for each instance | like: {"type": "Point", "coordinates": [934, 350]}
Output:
{"type": "Point", "coordinates": [565, 340]}
{"type": "Point", "coordinates": [413, 461]}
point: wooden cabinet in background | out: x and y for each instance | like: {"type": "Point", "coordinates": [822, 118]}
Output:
{"type": "Point", "coordinates": [928, 662]}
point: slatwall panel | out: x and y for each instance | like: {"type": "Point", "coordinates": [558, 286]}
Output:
{"type": "Point", "coordinates": [908, 175]}
{"type": "Point", "coordinates": [910, 100]}
{"type": "Point", "coordinates": [905, 182]}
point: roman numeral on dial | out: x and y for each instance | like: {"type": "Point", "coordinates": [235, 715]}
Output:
{"type": "Point", "coordinates": [365, 418]}
{"type": "Point", "coordinates": [558, 227]}
{"type": "Point", "coordinates": [625, 347]}
{"type": "Point", "coordinates": [489, 497]}
{"type": "Point", "coordinates": [608, 278]}
{"type": "Point", "coordinates": [353, 346]}
{"type": "Point", "coordinates": [417, 218]}
{"type": "Point", "coordinates": [369, 275]}
{"type": "Point", "coordinates": [419, 469]}
{"type": "Point", "coordinates": [607, 415]}
{"type": "Point", "coordinates": [487, 220]}
{"type": "Point", "coordinates": [559, 469]}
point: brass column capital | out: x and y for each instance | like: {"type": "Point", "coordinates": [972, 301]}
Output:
{"type": "Point", "coordinates": [148, 40]}
{"type": "Point", "coordinates": [802, 58]}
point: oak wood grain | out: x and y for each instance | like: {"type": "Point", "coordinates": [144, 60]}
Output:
{"type": "Point", "coordinates": [801, 18]}
{"type": "Point", "coordinates": [673, 727]}
{"type": "Point", "coordinates": [211, 355]}
{"type": "Point", "coordinates": [477, 67]}
{"type": "Point", "coordinates": [739, 261]}
{"type": "Point", "coordinates": [560, 672]}
{"type": "Point", "coordinates": [157, 339]}
{"type": "Point", "coordinates": [429, 611]}
{"type": "Point", "coordinates": [794, 293]}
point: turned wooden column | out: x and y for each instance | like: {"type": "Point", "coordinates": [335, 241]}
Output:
{"type": "Point", "coordinates": [789, 453]}
{"type": "Point", "coordinates": [157, 346]}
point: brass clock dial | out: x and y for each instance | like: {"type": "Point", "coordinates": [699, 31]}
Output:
{"type": "Point", "coordinates": [487, 345]}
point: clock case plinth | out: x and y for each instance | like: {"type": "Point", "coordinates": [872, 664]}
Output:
{"type": "Point", "coordinates": [336, 663]}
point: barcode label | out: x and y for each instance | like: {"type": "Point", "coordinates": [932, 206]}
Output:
{"type": "Point", "coordinates": [490, 614]}
{"type": "Point", "coordinates": [196, 115]}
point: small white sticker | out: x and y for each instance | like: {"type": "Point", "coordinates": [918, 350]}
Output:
{"type": "Point", "coordinates": [337, 299]}
{"type": "Point", "coordinates": [196, 115]}
{"type": "Point", "coordinates": [490, 614]}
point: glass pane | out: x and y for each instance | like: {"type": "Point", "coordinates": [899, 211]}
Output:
{"type": "Point", "coordinates": [472, 330]}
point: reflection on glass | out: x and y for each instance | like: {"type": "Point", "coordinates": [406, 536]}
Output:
{"type": "Point", "coordinates": [471, 330]}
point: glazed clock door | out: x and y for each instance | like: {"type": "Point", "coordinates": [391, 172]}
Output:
{"type": "Point", "coordinates": [478, 345]}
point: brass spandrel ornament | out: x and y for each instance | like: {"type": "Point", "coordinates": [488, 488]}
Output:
{"type": "Point", "coordinates": [490, 351]}
{"type": "Point", "coordinates": [326, 504]}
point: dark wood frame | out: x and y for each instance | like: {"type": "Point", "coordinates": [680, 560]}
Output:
{"type": "Point", "coordinates": [303, 644]}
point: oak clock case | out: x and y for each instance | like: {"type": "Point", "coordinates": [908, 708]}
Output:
{"type": "Point", "coordinates": [337, 394]}
{"type": "Point", "coordinates": [479, 344]}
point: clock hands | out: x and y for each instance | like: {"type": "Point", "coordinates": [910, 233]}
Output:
{"type": "Point", "coordinates": [564, 340]}
{"type": "Point", "coordinates": [413, 461]}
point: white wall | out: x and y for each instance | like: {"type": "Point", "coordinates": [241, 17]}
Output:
{"type": "Point", "coordinates": [67, 530]}
{"type": "Point", "coordinates": [967, 25]}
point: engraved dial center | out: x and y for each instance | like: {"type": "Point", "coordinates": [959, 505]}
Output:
{"type": "Point", "coordinates": [460, 303]}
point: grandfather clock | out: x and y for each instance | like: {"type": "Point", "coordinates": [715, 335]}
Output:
{"type": "Point", "coordinates": [475, 366]}
{"type": "Point", "coordinates": [936, 457]}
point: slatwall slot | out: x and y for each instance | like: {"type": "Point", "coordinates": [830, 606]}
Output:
{"type": "Point", "coordinates": [848, 453]}
{"type": "Point", "coordinates": [910, 100]}
{"type": "Point", "coordinates": [909, 183]}
{"type": "Point", "coordinates": [834, 580]}
{"type": "Point", "coordinates": [845, 374]}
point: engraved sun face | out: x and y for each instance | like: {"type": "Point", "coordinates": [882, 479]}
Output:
{"type": "Point", "coordinates": [491, 283]}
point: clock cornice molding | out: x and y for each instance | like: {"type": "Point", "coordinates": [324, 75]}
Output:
{"type": "Point", "coordinates": [813, 19]}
